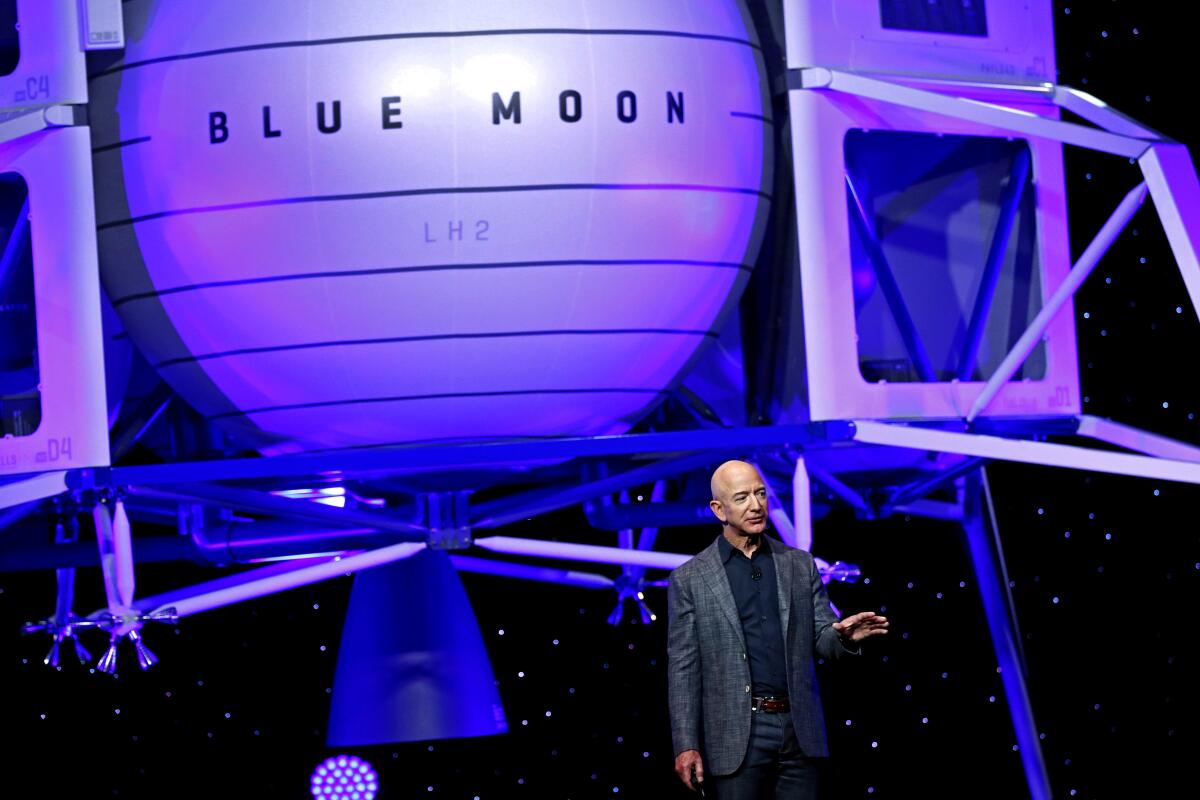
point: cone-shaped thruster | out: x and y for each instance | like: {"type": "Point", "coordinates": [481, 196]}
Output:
{"type": "Point", "coordinates": [412, 664]}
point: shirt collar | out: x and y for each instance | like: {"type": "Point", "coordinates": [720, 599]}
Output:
{"type": "Point", "coordinates": [725, 548]}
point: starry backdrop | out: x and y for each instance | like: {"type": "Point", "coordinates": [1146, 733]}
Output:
{"type": "Point", "coordinates": [1103, 571]}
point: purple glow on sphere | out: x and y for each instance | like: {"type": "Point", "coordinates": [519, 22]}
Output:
{"type": "Point", "coordinates": [463, 275]}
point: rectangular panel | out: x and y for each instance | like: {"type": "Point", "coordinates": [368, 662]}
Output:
{"type": "Point", "coordinates": [41, 60]}
{"type": "Point", "coordinates": [931, 189]}
{"type": "Point", "coordinates": [960, 17]}
{"type": "Point", "coordinates": [935, 206]}
{"type": "Point", "coordinates": [52, 389]}
{"type": "Point", "coordinates": [1002, 42]}
{"type": "Point", "coordinates": [103, 27]}
{"type": "Point", "coordinates": [20, 376]}
{"type": "Point", "coordinates": [10, 42]}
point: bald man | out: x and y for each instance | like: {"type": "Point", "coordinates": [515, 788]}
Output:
{"type": "Point", "coordinates": [749, 618]}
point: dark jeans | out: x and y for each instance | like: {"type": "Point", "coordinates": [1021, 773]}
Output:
{"type": "Point", "coordinates": [774, 766]}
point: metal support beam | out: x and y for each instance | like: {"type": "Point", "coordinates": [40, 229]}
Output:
{"type": "Point", "coordinates": [625, 541]}
{"type": "Point", "coordinates": [230, 580]}
{"type": "Point", "coordinates": [240, 542]}
{"type": "Point", "coordinates": [1171, 176]}
{"type": "Point", "coordinates": [802, 516]}
{"type": "Point", "coordinates": [647, 536]}
{"type": "Point", "coordinates": [441, 457]}
{"type": "Point", "coordinates": [24, 557]}
{"type": "Point", "coordinates": [527, 572]}
{"type": "Point", "coordinates": [931, 509]}
{"type": "Point", "coordinates": [647, 515]}
{"type": "Point", "coordinates": [15, 125]}
{"type": "Point", "coordinates": [1014, 121]}
{"type": "Point", "coordinates": [1096, 111]}
{"type": "Point", "coordinates": [918, 489]}
{"type": "Point", "coordinates": [115, 541]}
{"type": "Point", "coordinates": [517, 503]}
{"type": "Point", "coordinates": [66, 531]}
{"type": "Point", "coordinates": [150, 409]}
{"type": "Point", "coordinates": [1009, 205]}
{"type": "Point", "coordinates": [1066, 290]}
{"type": "Point", "coordinates": [1044, 453]}
{"type": "Point", "coordinates": [14, 514]}
{"type": "Point", "coordinates": [263, 503]}
{"type": "Point", "coordinates": [542, 504]}
{"type": "Point", "coordinates": [275, 578]}
{"type": "Point", "coordinates": [776, 512]}
{"type": "Point", "coordinates": [570, 551]}
{"type": "Point", "coordinates": [890, 288]}
{"type": "Point", "coordinates": [1004, 640]}
{"type": "Point", "coordinates": [993, 525]}
{"type": "Point", "coordinates": [28, 490]}
{"type": "Point", "coordinates": [840, 490]}
{"type": "Point", "coordinates": [18, 239]}
{"type": "Point", "coordinates": [1131, 438]}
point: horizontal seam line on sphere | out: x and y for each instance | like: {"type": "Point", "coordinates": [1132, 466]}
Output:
{"type": "Point", "coordinates": [436, 396]}
{"type": "Point", "coordinates": [440, 190]}
{"type": "Point", "coordinates": [115, 145]}
{"type": "Point", "coordinates": [383, 37]}
{"type": "Point", "coordinates": [749, 115]}
{"type": "Point", "coordinates": [434, 338]}
{"type": "Point", "coordinates": [435, 268]}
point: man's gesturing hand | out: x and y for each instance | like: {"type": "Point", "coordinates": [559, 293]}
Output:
{"type": "Point", "coordinates": [863, 625]}
{"type": "Point", "coordinates": [689, 768]}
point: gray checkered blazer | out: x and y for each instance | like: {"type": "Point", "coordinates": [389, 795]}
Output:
{"type": "Point", "coordinates": [708, 673]}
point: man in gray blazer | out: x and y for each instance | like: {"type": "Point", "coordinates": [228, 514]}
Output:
{"type": "Point", "coordinates": [749, 617]}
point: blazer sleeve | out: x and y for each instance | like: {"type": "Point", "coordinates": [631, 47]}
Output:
{"type": "Point", "coordinates": [826, 642]}
{"type": "Point", "coordinates": [683, 666]}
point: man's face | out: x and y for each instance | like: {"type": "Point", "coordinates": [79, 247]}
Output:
{"type": "Point", "coordinates": [741, 500]}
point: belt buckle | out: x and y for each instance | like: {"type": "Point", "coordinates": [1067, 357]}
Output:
{"type": "Point", "coordinates": [761, 704]}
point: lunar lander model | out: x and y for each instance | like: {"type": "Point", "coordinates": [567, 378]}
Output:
{"type": "Point", "coordinates": [503, 274]}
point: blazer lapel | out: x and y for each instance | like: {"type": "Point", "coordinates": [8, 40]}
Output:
{"type": "Point", "coordinates": [718, 582]}
{"type": "Point", "coordinates": [785, 580]}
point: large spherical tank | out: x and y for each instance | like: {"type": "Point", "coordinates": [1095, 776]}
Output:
{"type": "Point", "coordinates": [348, 224]}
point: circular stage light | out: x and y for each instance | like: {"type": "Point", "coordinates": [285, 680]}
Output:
{"type": "Point", "coordinates": [344, 777]}
{"type": "Point", "coordinates": [348, 224]}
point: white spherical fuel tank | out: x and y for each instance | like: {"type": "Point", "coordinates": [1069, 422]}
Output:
{"type": "Point", "coordinates": [366, 222]}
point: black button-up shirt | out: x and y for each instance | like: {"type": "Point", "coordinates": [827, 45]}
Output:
{"type": "Point", "coordinates": [757, 601]}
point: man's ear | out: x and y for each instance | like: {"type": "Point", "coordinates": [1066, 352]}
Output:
{"type": "Point", "coordinates": [718, 510]}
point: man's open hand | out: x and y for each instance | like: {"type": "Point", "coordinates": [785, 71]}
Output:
{"type": "Point", "coordinates": [689, 768]}
{"type": "Point", "coordinates": [855, 628]}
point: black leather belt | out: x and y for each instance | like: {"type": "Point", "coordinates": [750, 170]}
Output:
{"type": "Point", "coordinates": [771, 705]}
